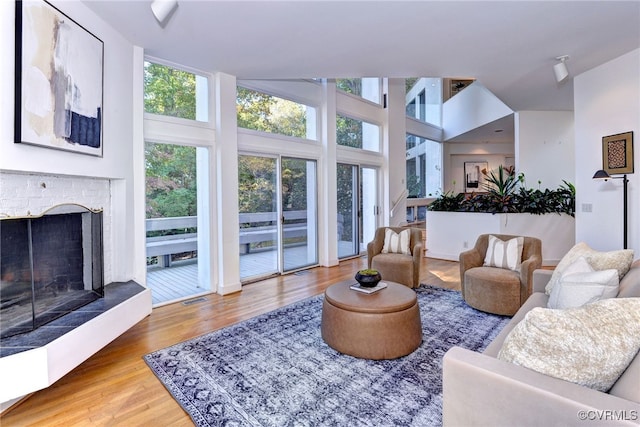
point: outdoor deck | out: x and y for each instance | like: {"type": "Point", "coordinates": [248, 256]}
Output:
{"type": "Point", "coordinates": [180, 281]}
{"type": "Point", "coordinates": [173, 283]}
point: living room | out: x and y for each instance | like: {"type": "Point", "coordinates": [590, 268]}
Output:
{"type": "Point", "coordinates": [604, 102]}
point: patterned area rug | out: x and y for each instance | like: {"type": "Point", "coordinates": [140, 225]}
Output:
{"type": "Point", "coordinates": [275, 369]}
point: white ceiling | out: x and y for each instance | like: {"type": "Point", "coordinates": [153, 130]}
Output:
{"type": "Point", "coordinates": [509, 46]}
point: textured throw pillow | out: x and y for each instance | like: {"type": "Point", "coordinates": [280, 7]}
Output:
{"type": "Point", "coordinates": [620, 260]}
{"type": "Point", "coordinates": [504, 254]}
{"type": "Point", "coordinates": [590, 345]}
{"type": "Point", "coordinates": [396, 243]}
{"type": "Point", "coordinates": [577, 289]}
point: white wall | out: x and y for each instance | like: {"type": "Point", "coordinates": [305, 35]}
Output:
{"type": "Point", "coordinates": [473, 107]}
{"type": "Point", "coordinates": [606, 102]}
{"type": "Point", "coordinates": [544, 147]}
{"type": "Point", "coordinates": [450, 233]}
{"type": "Point", "coordinates": [116, 163]}
{"type": "Point", "coordinates": [543, 150]}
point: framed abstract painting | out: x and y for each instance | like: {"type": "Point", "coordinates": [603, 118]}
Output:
{"type": "Point", "coordinates": [474, 176]}
{"type": "Point", "coordinates": [58, 81]}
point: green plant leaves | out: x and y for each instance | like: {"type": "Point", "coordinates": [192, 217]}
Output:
{"type": "Point", "coordinates": [505, 192]}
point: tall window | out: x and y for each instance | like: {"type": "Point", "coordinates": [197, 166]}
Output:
{"type": "Point", "coordinates": [175, 93]}
{"type": "Point", "coordinates": [177, 183]}
{"type": "Point", "coordinates": [424, 99]}
{"type": "Point", "coordinates": [367, 88]}
{"type": "Point", "coordinates": [424, 166]}
{"type": "Point", "coordinates": [357, 133]}
{"type": "Point", "coordinates": [177, 256]}
{"type": "Point", "coordinates": [267, 113]}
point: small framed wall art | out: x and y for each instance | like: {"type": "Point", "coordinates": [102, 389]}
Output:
{"type": "Point", "coordinates": [474, 176]}
{"type": "Point", "coordinates": [617, 153]}
{"type": "Point", "coordinates": [58, 80]}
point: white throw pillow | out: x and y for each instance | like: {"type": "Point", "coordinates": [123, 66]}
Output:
{"type": "Point", "coordinates": [504, 254]}
{"type": "Point", "coordinates": [590, 345]}
{"type": "Point", "coordinates": [581, 265]}
{"type": "Point", "coordinates": [578, 289]}
{"type": "Point", "coordinates": [396, 243]}
{"type": "Point", "coordinates": [620, 260]}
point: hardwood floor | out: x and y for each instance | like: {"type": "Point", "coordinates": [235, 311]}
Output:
{"type": "Point", "coordinates": [116, 388]}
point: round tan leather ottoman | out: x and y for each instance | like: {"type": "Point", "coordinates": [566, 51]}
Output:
{"type": "Point", "coordinates": [382, 325]}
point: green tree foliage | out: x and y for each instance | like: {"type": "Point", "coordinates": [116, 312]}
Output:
{"type": "Point", "coordinates": [348, 132]}
{"type": "Point", "coordinates": [345, 182]}
{"type": "Point", "coordinates": [170, 169]}
{"type": "Point", "coordinates": [353, 86]}
{"type": "Point", "coordinates": [257, 184]}
{"type": "Point", "coordinates": [414, 186]}
{"type": "Point", "coordinates": [169, 92]}
{"type": "Point", "coordinates": [253, 109]}
{"type": "Point", "coordinates": [170, 180]}
{"type": "Point", "coordinates": [409, 83]}
{"type": "Point", "coordinates": [294, 184]}
{"type": "Point", "coordinates": [266, 113]}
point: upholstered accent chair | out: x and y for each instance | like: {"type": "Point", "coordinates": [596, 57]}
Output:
{"type": "Point", "coordinates": [494, 289]}
{"type": "Point", "coordinates": [396, 267]}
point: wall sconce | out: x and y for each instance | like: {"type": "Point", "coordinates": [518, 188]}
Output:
{"type": "Point", "coordinates": [602, 174]}
{"type": "Point", "coordinates": [560, 69]}
{"type": "Point", "coordinates": [162, 9]}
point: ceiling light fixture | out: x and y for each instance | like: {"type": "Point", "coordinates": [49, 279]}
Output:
{"type": "Point", "coordinates": [162, 9]}
{"type": "Point", "coordinates": [560, 69]}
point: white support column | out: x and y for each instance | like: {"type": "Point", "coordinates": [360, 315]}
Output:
{"type": "Point", "coordinates": [312, 214]}
{"type": "Point", "coordinates": [327, 191]}
{"type": "Point", "coordinates": [394, 148]}
{"type": "Point", "coordinates": [139, 172]}
{"type": "Point", "coordinates": [204, 218]}
{"type": "Point", "coordinates": [226, 173]}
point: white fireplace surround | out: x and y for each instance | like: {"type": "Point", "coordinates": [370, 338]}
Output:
{"type": "Point", "coordinates": [25, 194]}
{"type": "Point", "coordinates": [32, 194]}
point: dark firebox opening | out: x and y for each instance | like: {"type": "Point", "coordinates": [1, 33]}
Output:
{"type": "Point", "coordinates": [49, 267]}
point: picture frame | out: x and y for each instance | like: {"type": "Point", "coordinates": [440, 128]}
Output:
{"type": "Point", "coordinates": [59, 81]}
{"type": "Point", "coordinates": [617, 153]}
{"type": "Point", "coordinates": [473, 176]}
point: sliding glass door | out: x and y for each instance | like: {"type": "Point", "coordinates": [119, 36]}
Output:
{"type": "Point", "coordinates": [299, 213]}
{"type": "Point", "coordinates": [357, 208]}
{"type": "Point", "coordinates": [278, 215]}
{"type": "Point", "coordinates": [369, 204]}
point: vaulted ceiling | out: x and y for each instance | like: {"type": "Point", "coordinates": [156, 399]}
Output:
{"type": "Point", "coordinates": [509, 46]}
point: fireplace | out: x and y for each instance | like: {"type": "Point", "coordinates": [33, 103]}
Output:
{"type": "Point", "coordinates": [50, 265]}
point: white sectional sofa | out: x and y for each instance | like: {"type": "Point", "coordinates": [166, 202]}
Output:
{"type": "Point", "coordinates": [481, 390]}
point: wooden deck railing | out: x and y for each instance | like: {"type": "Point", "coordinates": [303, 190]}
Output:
{"type": "Point", "coordinates": [165, 246]}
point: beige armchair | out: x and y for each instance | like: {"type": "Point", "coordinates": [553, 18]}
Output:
{"type": "Point", "coordinates": [399, 268]}
{"type": "Point", "coordinates": [498, 290]}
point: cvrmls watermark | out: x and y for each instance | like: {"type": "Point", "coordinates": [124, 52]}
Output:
{"type": "Point", "coordinates": [608, 415]}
